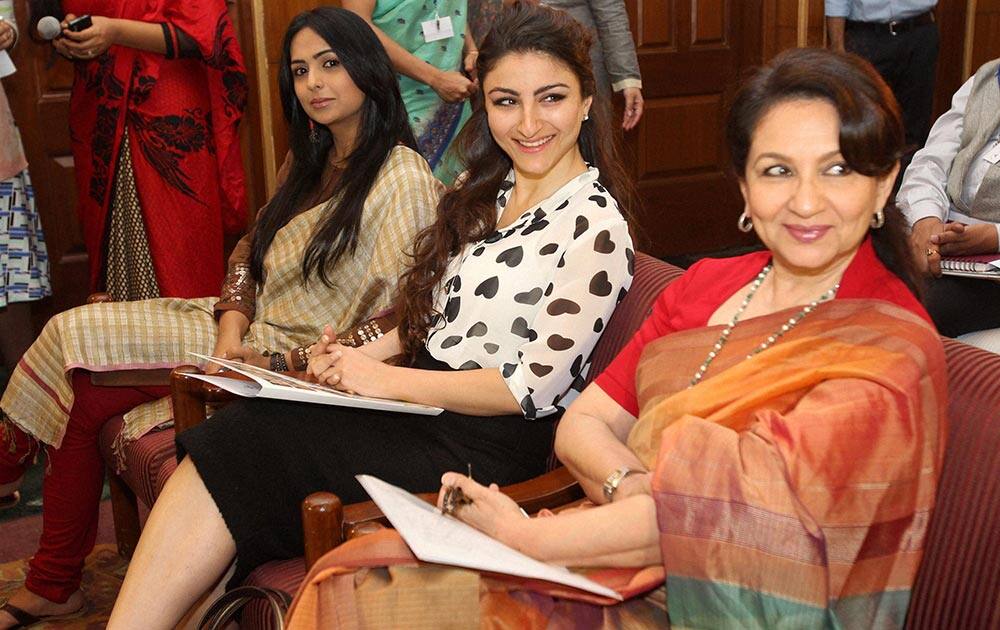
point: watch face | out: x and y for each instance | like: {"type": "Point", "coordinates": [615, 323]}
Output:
{"type": "Point", "coordinates": [611, 483]}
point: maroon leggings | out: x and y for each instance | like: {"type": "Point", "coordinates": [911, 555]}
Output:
{"type": "Point", "coordinates": [71, 490]}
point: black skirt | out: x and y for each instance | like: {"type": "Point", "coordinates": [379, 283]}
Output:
{"type": "Point", "coordinates": [260, 458]}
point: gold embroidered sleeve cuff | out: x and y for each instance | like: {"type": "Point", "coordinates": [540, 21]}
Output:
{"type": "Point", "coordinates": [239, 292]}
{"type": "Point", "coordinates": [367, 332]}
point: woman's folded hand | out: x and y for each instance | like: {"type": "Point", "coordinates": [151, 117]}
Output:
{"type": "Point", "coordinates": [349, 370]}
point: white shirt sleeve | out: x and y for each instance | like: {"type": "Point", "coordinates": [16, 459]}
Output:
{"type": "Point", "coordinates": [590, 280]}
{"type": "Point", "coordinates": [923, 192]}
{"type": "Point", "coordinates": [837, 8]}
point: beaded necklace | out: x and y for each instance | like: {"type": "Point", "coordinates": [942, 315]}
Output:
{"type": "Point", "coordinates": [785, 327]}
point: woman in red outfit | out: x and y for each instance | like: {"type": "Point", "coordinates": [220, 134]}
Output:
{"type": "Point", "coordinates": [157, 98]}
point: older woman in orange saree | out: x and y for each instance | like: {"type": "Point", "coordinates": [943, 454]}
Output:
{"type": "Point", "coordinates": [769, 443]}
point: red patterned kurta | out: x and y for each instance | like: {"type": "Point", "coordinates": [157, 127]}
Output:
{"type": "Point", "coordinates": [182, 117]}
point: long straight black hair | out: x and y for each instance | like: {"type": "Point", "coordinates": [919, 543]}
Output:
{"type": "Point", "coordinates": [383, 125]}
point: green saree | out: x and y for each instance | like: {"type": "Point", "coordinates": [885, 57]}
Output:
{"type": "Point", "coordinates": [435, 123]}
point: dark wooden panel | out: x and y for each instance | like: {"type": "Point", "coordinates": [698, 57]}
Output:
{"type": "Point", "coordinates": [781, 25]}
{"type": "Point", "coordinates": [698, 215]}
{"type": "Point", "coordinates": [986, 34]}
{"type": "Point", "coordinates": [250, 129]}
{"type": "Point", "coordinates": [950, 16]}
{"type": "Point", "coordinates": [677, 153]}
{"type": "Point", "coordinates": [655, 20]}
{"type": "Point", "coordinates": [689, 125]}
{"type": "Point", "coordinates": [709, 25]}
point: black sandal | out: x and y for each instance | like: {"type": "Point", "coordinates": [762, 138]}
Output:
{"type": "Point", "coordinates": [22, 617]}
{"type": "Point", "coordinates": [25, 619]}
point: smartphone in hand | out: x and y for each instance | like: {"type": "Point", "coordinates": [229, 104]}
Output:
{"type": "Point", "coordinates": [81, 23]}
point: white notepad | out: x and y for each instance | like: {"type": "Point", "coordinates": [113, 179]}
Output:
{"type": "Point", "coordinates": [268, 384]}
{"type": "Point", "coordinates": [434, 537]}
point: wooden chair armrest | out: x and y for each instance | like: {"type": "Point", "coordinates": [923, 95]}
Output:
{"type": "Point", "coordinates": [131, 378]}
{"type": "Point", "coordinates": [326, 522]}
{"type": "Point", "coordinates": [551, 490]}
{"type": "Point", "coordinates": [189, 396]}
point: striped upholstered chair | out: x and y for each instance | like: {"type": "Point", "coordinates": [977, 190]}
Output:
{"type": "Point", "coordinates": [958, 585]}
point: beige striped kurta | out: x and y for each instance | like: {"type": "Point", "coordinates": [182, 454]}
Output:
{"type": "Point", "coordinates": [160, 333]}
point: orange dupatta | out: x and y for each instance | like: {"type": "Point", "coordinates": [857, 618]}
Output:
{"type": "Point", "coordinates": [795, 487]}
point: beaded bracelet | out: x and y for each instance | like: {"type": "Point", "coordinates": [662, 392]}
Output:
{"type": "Point", "coordinates": [278, 362]}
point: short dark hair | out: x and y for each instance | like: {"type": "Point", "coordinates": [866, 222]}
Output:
{"type": "Point", "coordinates": [872, 139]}
{"type": "Point", "coordinates": [384, 124]}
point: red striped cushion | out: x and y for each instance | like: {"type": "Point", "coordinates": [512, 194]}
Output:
{"type": "Point", "coordinates": [651, 277]}
{"type": "Point", "coordinates": [144, 458]}
{"type": "Point", "coordinates": [284, 575]}
{"type": "Point", "coordinates": [958, 585]}
{"type": "Point", "coordinates": [164, 473]}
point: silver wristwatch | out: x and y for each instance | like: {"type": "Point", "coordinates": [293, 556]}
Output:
{"type": "Point", "coordinates": [614, 480]}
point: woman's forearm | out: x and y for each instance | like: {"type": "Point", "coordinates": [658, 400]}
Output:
{"type": "Point", "coordinates": [591, 441]}
{"type": "Point", "coordinates": [596, 452]}
{"type": "Point", "coordinates": [383, 348]}
{"type": "Point", "coordinates": [404, 62]}
{"type": "Point", "coordinates": [620, 534]}
{"type": "Point", "coordinates": [480, 392]}
{"type": "Point", "coordinates": [233, 324]}
{"type": "Point", "coordinates": [140, 35]}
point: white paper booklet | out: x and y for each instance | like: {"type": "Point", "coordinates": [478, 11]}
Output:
{"type": "Point", "coordinates": [268, 384]}
{"type": "Point", "coordinates": [434, 537]}
{"type": "Point", "coordinates": [6, 65]}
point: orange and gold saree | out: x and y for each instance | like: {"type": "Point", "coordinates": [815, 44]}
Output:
{"type": "Point", "coordinates": [793, 489]}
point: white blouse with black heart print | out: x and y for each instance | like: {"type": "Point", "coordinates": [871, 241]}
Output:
{"type": "Point", "coordinates": [532, 299]}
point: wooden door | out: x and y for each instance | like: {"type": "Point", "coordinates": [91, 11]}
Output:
{"type": "Point", "coordinates": [39, 96]}
{"type": "Point", "coordinates": [263, 25]}
{"type": "Point", "coordinates": [691, 53]}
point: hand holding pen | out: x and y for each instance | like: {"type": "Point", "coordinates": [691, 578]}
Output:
{"type": "Point", "coordinates": [485, 508]}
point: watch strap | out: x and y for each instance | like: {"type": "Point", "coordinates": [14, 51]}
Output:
{"type": "Point", "coordinates": [614, 480]}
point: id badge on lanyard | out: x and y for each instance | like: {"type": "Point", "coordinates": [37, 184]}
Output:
{"type": "Point", "coordinates": [439, 28]}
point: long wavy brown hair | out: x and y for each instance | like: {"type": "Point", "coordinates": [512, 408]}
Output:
{"type": "Point", "coordinates": [467, 213]}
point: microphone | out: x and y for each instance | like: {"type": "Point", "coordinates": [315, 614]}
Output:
{"type": "Point", "coordinates": [49, 28]}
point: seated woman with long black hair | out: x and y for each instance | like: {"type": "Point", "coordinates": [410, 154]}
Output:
{"type": "Point", "coordinates": [327, 250]}
{"type": "Point", "coordinates": [506, 300]}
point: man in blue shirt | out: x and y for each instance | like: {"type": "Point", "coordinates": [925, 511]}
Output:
{"type": "Point", "coordinates": [899, 38]}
